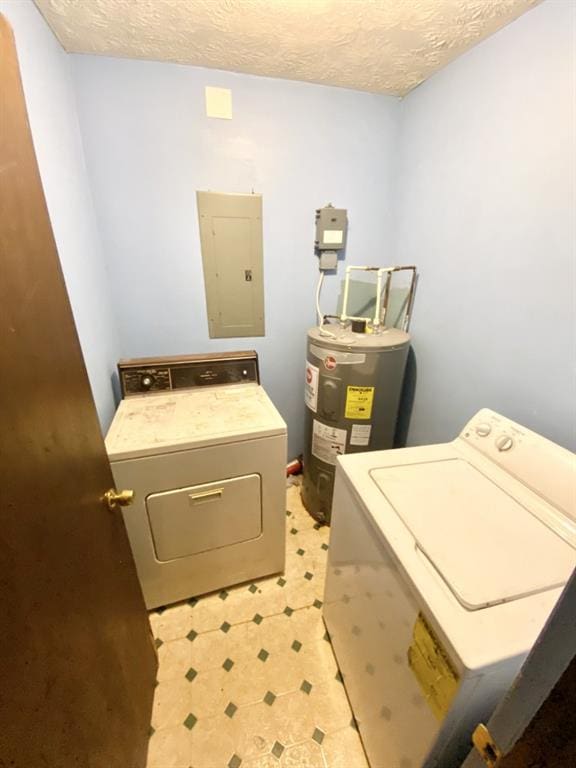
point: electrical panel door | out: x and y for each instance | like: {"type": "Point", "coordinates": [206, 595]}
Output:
{"type": "Point", "coordinates": [231, 240]}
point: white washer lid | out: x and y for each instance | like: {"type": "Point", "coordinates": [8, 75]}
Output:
{"type": "Point", "coordinates": [487, 546]}
{"type": "Point", "coordinates": [146, 425]}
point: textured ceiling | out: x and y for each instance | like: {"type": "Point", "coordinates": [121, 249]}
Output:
{"type": "Point", "coordinates": [385, 46]}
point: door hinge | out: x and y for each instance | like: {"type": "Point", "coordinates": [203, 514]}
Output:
{"type": "Point", "coordinates": [485, 745]}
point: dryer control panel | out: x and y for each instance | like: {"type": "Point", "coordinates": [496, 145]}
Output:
{"type": "Point", "coordinates": [140, 376]}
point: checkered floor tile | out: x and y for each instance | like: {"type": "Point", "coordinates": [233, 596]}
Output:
{"type": "Point", "coordinates": [247, 677]}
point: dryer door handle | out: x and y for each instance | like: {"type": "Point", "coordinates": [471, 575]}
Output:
{"type": "Point", "coordinates": [204, 496]}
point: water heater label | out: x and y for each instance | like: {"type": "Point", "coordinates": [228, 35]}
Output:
{"type": "Point", "coordinates": [359, 402]}
{"type": "Point", "coordinates": [328, 442]}
{"type": "Point", "coordinates": [360, 434]}
{"type": "Point", "coordinates": [311, 387]}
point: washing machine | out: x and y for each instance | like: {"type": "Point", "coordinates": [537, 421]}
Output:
{"type": "Point", "coordinates": [445, 562]}
{"type": "Point", "coordinates": [204, 449]}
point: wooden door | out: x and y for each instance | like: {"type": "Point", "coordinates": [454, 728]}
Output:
{"type": "Point", "coordinates": [533, 726]}
{"type": "Point", "coordinates": [77, 664]}
{"type": "Point", "coordinates": [549, 741]}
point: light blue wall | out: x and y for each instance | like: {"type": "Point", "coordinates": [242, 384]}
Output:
{"type": "Point", "coordinates": [476, 189]}
{"type": "Point", "coordinates": [46, 77]}
{"type": "Point", "coordinates": [486, 208]}
{"type": "Point", "coordinates": [149, 146]}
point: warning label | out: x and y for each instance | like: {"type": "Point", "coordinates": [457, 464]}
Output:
{"type": "Point", "coordinates": [359, 402]}
{"type": "Point", "coordinates": [311, 387]}
{"type": "Point", "coordinates": [360, 434]}
{"type": "Point", "coordinates": [328, 442]}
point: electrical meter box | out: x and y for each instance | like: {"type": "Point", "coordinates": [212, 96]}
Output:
{"type": "Point", "coordinates": [331, 227]}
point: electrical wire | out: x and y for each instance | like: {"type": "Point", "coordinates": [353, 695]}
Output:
{"type": "Point", "coordinates": [319, 315]}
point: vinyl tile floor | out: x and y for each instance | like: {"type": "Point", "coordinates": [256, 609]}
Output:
{"type": "Point", "coordinates": [247, 677]}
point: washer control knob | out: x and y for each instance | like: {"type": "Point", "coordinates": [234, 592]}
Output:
{"type": "Point", "coordinates": [504, 442]}
{"type": "Point", "coordinates": [483, 429]}
{"type": "Point", "coordinates": [146, 381]}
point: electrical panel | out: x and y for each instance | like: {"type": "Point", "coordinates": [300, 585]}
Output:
{"type": "Point", "coordinates": [231, 241]}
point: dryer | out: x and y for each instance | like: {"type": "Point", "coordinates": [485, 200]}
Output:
{"type": "Point", "coordinates": [445, 562]}
{"type": "Point", "coordinates": [203, 447]}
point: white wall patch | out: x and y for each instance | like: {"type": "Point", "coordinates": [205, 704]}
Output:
{"type": "Point", "coordinates": [218, 102]}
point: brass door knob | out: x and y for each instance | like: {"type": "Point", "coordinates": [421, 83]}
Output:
{"type": "Point", "coordinates": [485, 745]}
{"type": "Point", "coordinates": [114, 498]}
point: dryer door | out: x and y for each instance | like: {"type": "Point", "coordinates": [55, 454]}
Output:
{"type": "Point", "coordinates": [186, 521]}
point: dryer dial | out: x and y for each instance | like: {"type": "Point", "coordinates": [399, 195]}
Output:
{"type": "Point", "coordinates": [504, 442]}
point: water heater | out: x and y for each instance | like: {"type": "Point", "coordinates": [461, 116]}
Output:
{"type": "Point", "coordinates": [352, 393]}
